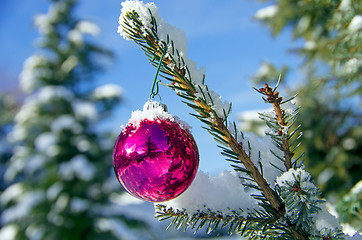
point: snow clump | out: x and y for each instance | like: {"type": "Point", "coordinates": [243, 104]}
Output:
{"type": "Point", "coordinates": [267, 12]}
{"type": "Point", "coordinates": [153, 110]}
{"type": "Point", "coordinates": [355, 24]}
{"type": "Point", "coordinates": [223, 193]}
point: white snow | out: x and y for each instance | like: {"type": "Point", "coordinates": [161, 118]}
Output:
{"type": "Point", "coordinates": [79, 167]}
{"type": "Point", "coordinates": [54, 190]}
{"type": "Point", "coordinates": [27, 112]}
{"type": "Point", "coordinates": [177, 37]}
{"type": "Point", "coordinates": [125, 199]}
{"type": "Point", "coordinates": [66, 122]}
{"type": "Point", "coordinates": [49, 93]}
{"type": "Point", "coordinates": [78, 205]}
{"type": "Point", "coordinates": [248, 118]}
{"type": "Point", "coordinates": [76, 37]}
{"type": "Point", "coordinates": [290, 107]}
{"type": "Point", "coordinates": [223, 193]}
{"type": "Point", "coordinates": [12, 193]}
{"type": "Point", "coordinates": [44, 141]}
{"type": "Point", "coordinates": [325, 176]}
{"type": "Point", "coordinates": [266, 12]}
{"type": "Point", "coordinates": [142, 10]}
{"type": "Point", "coordinates": [325, 221]}
{"type": "Point", "coordinates": [34, 232]}
{"type": "Point", "coordinates": [264, 146]}
{"type": "Point", "coordinates": [357, 189]}
{"type": "Point", "coordinates": [85, 110]}
{"type": "Point", "coordinates": [264, 70]}
{"type": "Point", "coordinates": [56, 9]}
{"type": "Point", "coordinates": [82, 144]}
{"type": "Point", "coordinates": [153, 110]}
{"type": "Point", "coordinates": [43, 23]}
{"type": "Point", "coordinates": [250, 115]}
{"type": "Point", "coordinates": [215, 101]}
{"type": "Point", "coordinates": [8, 232]}
{"type": "Point", "coordinates": [349, 143]}
{"type": "Point", "coordinates": [303, 24]}
{"type": "Point", "coordinates": [353, 64]}
{"type": "Point", "coordinates": [355, 24]}
{"type": "Point", "coordinates": [289, 177]}
{"type": "Point", "coordinates": [17, 162]}
{"type": "Point", "coordinates": [87, 27]}
{"type": "Point", "coordinates": [351, 233]}
{"type": "Point", "coordinates": [344, 5]}
{"type": "Point", "coordinates": [35, 163]}
{"type": "Point", "coordinates": [310, 45]}
{"type": "Point", "coordinates": [118, 228]}
{"type": "Point", "coordinates": [61, 203]}
{"type": "Point", "coordinates": [356, 236]}
{"type": "Point", "coordinates": [23, 206]}
{"type": "Point", "coordinates": [55, 218]}
{"type": "Point", "coordinates": [33, 69]}
{"type": "Point", "coordinates": [107, 91]}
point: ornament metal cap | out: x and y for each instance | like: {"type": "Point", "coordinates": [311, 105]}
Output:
{"type": "Point", "coordinates": [149, 105]}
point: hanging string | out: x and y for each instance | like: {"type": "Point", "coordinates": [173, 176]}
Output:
{"type": "Point", "coordinates": [155, 87]}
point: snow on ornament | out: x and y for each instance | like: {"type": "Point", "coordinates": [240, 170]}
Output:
{"type": "Point", "coordinates": [155, 157]}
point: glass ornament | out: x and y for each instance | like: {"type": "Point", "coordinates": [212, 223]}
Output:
{"type": "Point", "coordinates": [155, 157]}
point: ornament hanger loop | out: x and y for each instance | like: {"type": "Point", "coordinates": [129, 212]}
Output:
{"type": "Point", "coordinates": [156, 94]}
{"type": "Point", "coordinates": [155, 87]}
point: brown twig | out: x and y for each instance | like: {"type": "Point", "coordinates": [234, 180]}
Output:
{"type": "Point", "coordinates": [275, 100]}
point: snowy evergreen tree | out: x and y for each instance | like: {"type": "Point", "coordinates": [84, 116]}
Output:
{"type": "Point", "coordinates": [7, 112]}
{"type": "Point", "coordinates": [331, 93]}
{"type": "Point", "coordinates": [269, 195]}
{"type": "Point", "coordinates": [61, 176]}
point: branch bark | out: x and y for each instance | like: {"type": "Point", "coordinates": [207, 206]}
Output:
{"type": "Point", "coordinates": [269, 194]}
{"type": "Point", "coordinates": [275, 100]}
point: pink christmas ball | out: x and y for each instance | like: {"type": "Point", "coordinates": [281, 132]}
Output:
{"type": "Point", "coordinates": [155, 160]}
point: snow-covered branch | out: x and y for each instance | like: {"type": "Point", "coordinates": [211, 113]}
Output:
{"type": "Point", "coordinates": [252, 198]}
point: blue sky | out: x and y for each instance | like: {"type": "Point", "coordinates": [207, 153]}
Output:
{"type": "Point", "coordinates": [222, 37]}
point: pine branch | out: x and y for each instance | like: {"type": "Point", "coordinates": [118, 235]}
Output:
{"type": "Point", "coordinates": [256, 225]}
{"type": "Point", "coordinates": [199, 98]}
{"type": "Point", "coordinates": [281, 124]}
{"type": "Point", "coordinates": [301, 198]}
{"type": "Point", "coordinates": [251, 225]}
